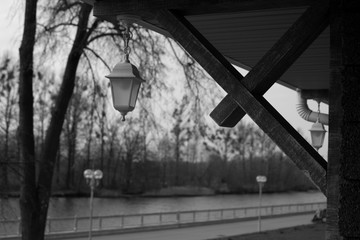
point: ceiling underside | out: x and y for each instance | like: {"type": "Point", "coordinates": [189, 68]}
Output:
{"type": "Point", "coordinates": [242, 36]}
{"type": "Point", "coordinates": [246, 36]}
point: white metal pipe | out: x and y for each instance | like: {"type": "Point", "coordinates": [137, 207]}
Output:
{"type": "Point", "coordinates": [307, 114]}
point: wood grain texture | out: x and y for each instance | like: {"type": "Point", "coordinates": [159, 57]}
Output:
{"type": "Point", "coordinates": [349, 58]}
{"type": "Point", "coordinates": [278, 59]}
{"type": "Point", "coordinates": [263, 114]}
{"type": "Point", "coordinates": [335, 137]}
{"type": "Point", "coordinates": [343, 211]}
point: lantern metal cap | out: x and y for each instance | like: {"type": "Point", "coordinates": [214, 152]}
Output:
{"type": "Point", "coordinates": [317, 127]}
{"type": "Point", "coordinates": [125, 70]}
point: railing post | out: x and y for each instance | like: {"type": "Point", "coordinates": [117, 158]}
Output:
{"type": "Point", "coordinates": [142, 220]}
{"type": "Point", "coordinates": [178, 217]}
{"type": "Point", "coordinates": [221, 214]}
{"type": "Point", "coordinates": [75, 223]}
{"type": "Point", "coordinates": [122, 221]}
{"type": "Point", "coordinates": [160, 219]}
{"type": "Point", "coordinates": [208, 215]}
{"type": "Point", "coordinates": [194, 213]}
{"type": "Point", "coordinates": [100, 222]}
{"type": "Point", "coordinates": [19, 227]}
{"type": "Point", "coordinates": [49, 225]}
{"type": "Point", "coordinates": [234, 211]}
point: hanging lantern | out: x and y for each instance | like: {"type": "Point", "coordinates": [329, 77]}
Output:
{"type": "Point", "coordinates": [317, 132]}
{"type": "Point", "coordinates": [125, 82]}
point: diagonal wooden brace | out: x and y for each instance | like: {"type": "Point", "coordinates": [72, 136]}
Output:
{"type": "Point", "coordinates": [264, 115]}
{"type": "Point", "coordinates": [276, 61]}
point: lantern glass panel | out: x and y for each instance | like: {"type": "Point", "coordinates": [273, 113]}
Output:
{"type": "Point", "coordinates": [121, 92]}
{"type": "Point", "coordinates": [317, 138]}
{"type": "Point", "coordinates": [134, 92]}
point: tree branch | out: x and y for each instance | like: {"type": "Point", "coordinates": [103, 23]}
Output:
{"type": "Point", "coordinates": [113, 34]}
{"type": "Point", "coordinates": [98, 56]}
{"type": "Point", "coordinates": [51, 28]}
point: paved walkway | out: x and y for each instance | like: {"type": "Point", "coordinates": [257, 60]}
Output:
{"type": "Point", "coordinates": [211, 231]}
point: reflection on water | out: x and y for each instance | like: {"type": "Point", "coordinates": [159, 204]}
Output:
{"type": "Point", "coordinates": [68, 207]}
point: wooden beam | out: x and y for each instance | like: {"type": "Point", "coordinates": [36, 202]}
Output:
{"type": "Point", "coordinates": [277, 60]}
{"type": "Point", "coordinates": [188, 7]}
{"type": "Point", "coordinates": [263, 114]}
{"type": "Point", "coordinates": [335, 136]}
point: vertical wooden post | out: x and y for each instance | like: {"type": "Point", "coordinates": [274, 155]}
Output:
{"type": "Point", "coordinates": [343, 180]}
{"type": "Point", "coordinates": [335, 138]}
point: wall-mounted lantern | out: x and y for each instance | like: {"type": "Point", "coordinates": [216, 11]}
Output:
{"type": "Point", "coordinates": [317, 132]}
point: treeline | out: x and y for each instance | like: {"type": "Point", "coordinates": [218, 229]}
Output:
{"type": "Point", "coordinates": [128, 175]}
{"type": "Point", "coordinates": [237, 176]}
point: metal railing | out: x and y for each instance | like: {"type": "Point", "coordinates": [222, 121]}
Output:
{"type": "Point", "coordinates": [81, 224]}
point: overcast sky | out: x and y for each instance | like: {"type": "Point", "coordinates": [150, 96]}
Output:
{"type": "Point", "coordinates": [282, 98]}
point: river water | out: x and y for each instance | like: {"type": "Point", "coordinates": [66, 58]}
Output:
{"type": "Point", "coordinates": [69, 207]}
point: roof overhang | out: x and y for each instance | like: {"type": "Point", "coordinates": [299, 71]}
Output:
{"type": "Point", "coordinates": [241, 30]}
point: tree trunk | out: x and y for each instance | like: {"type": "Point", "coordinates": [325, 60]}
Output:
{"type": "Point", "coordinates": [177, 155]}
{"type": "Point", "coordinates": [71, 128]}
{"type": "Point", "coordinates": [4, 163]}
{"type": "Point", "coordinates": [89, 161]}
{"type": "Point", "coordinates": [128, 172]}
{"type": "Point", "coordinates": [34, 200]}
{"type": "Point", "coordinates": [29, 204]}
{"type": "Point", "coordinates": [52, 138]}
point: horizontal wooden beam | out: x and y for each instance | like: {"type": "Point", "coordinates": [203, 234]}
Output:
{"type": "Point", "coordinates": [188, 7]}
{"type": "Point", "coordinates": [263, 114]}
{"type": "Point", "coordinates": [277, 60]}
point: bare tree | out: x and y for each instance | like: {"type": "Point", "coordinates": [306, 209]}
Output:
{"type": "Point", "coordinates": [36, 188]}
{"type": "Point", "coordinates": [29, 201]}
{"type": "Point", "coordinates": [8, 109]}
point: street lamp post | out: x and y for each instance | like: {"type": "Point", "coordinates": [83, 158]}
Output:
{"type": "Point", "coordinates": [93, 178]}
{"type": "Point", "coordinates": [261, 181]}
